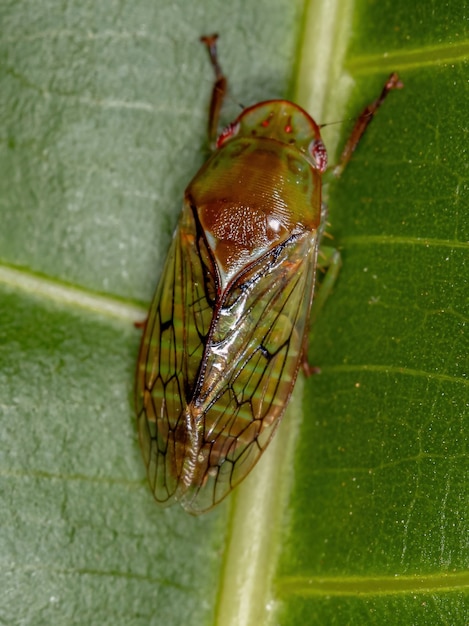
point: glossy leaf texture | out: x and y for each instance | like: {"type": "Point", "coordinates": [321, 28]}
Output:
{"type": "Point", "coordinates": [357, 514]}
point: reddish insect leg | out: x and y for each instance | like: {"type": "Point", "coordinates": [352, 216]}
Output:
{"type": "Point", "coordinates": [362, 122]}
{"type": "Point", "coordinates": [329, 257]}
{"type": "Point", "coordinates": [219, 88]}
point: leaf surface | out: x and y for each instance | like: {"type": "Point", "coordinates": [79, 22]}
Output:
{"type": "Point", "coordinates": [357, 514]}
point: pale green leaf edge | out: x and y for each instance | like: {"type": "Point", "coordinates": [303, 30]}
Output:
{"type": "Point", "coordinates": [260, 502]}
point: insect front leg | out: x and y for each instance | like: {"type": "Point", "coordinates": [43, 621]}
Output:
{"type": "Point", "coordinates": [329, 258]}
{"type": "Point", "coordinates": [219, 90]}
{"type": "Point", "coordinates": [329, 261]}
{"type": "Point", "coordinates": [393, 82]}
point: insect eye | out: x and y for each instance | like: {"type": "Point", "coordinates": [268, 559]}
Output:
{"type": "Point", "coordinates": [318, 151]}
{"type": "Point", "coordinates": [230, 131]}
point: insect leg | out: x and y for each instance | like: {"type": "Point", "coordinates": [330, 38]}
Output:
{"type": "Point", "coordinates": [362, 122]}
{"type": "Point", "coordinates": [219, 88]}
{"type": "Point", "coordinates": [329, 259]}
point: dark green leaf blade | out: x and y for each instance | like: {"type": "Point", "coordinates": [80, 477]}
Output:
{"type": "Point", "coordinates": [378, 511]}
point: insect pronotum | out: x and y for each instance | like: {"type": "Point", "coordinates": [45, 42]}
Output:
{"type": "Point", "coordinates": [226, 333]}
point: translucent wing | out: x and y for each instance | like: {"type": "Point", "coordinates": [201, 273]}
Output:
{"type": "Point", "coordinates": [250, 366]}
{"type": "Point", "coordinates": [216, 369]}
{"type": "Point", "coordinates": [171, 352]}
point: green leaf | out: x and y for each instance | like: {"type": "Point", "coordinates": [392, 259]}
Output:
{"type": "Point", "coordinates": [357, 513]}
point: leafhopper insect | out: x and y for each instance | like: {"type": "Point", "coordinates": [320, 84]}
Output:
{"type": "Point", "coordinates": [227, 330]}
